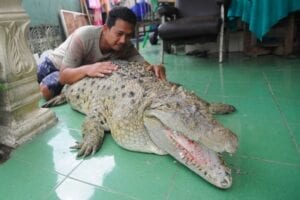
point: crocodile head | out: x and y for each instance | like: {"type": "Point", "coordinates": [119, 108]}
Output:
{"type": "Point", "coordinates": [182, 125]}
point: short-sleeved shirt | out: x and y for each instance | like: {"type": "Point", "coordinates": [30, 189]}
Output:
{"type": "Point", "coordinates": [82, 47]}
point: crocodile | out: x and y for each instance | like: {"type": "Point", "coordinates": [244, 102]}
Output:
{"type": "Point", "coordinates": [145, 114]}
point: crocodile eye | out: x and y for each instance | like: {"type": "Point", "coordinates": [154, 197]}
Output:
{"type": "Point", "coordinates": [164, 107]}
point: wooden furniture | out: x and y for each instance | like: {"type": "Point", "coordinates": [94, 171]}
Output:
{"type": "Point", "coordinates": [261, 15]}
{"type": "Point", "coordinates": [85, 10]}
{"type": "Point", "coordinates": [270, 25]}
{"type": "Point", "coordinates": [72, 20]}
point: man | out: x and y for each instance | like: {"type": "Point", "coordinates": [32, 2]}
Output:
{"type": "Point", "coordinates": [87, 52]}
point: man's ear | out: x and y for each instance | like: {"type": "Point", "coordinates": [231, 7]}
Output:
{"type": "Point", "coordinates": [105, 27]}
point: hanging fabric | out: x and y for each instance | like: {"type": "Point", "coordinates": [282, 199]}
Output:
{"type": "Point", "coordinates": [97, 11]}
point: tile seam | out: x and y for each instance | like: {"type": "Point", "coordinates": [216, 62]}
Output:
{"type": "Point", "coordinates": [291, 133]}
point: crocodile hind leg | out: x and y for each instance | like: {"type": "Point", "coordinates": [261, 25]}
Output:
{"type": "Point", "coordinates": [55, 101]}
{"type": "Point", "coordinates": [93, 134]}
{"type": "Point", "coordinates": [220, 108]}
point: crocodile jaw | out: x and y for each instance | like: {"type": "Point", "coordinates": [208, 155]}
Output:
{"type": "Point", "coordinates": [197, 157]}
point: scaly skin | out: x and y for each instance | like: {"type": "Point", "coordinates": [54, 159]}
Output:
{"type": "Point", "coordinates": [152, 116]}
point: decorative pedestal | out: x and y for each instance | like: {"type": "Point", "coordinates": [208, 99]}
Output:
{"type": "Point", "coordinates": [20, 116]}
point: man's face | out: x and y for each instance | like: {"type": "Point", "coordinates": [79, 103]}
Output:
{"type": "Point", "coordinates": [119, 34]}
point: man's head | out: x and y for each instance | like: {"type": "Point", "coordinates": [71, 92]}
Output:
{"type": "Point", "coordinates": [119, 28]}
{"type": "Point", "coordinates": [122, 13]}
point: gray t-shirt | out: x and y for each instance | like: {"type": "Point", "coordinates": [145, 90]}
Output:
{"type": "Point", "coordinates": [82, 47]}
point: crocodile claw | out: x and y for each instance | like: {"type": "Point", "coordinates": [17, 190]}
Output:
{"type": "Point", "coordinates": [86, 148]}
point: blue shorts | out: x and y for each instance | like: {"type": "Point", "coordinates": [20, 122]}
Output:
{"type": "Point", "coordinates": [48, 75]}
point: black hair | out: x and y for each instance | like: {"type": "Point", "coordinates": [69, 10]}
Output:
{"type": "Point", "coordinates": [122, 13]}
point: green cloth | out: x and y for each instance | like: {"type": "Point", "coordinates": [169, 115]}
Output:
{"type": "Point", "coordinates": [261, 15]}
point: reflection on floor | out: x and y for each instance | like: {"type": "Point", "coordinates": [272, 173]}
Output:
{"type": "Point", "coordinates": [265, 91]}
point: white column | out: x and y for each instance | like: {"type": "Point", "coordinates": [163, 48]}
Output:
{"type": "Point", "coordinates": [20, 116]}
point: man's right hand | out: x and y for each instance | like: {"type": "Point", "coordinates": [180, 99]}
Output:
{"type": "Point", "coordinates": [101, 69]}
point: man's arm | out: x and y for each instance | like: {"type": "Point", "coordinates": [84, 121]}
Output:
{"type": "Point", "coordinates": [99, 69]}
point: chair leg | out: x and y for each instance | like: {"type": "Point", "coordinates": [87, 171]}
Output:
{"type": "Point", "coordinates": [221, 48]}
{"type": "Point", "coordinates": [163, 20]}
{"type": "Point", "coordinates": [162, 52]}
{"type": "Point", "coordinates": [137, 37]}
{"type": "Point", "coordinates": [221, 42]}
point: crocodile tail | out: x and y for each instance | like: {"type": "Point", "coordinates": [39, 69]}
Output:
{"type": "Point", "coordinates": [55, 101]}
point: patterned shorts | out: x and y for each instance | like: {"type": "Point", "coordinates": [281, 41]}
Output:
{"type": "Point", "coordinates": [48, 75]}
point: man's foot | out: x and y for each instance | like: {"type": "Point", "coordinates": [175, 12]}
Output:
{"type": "Point", "coordinates": [47, 94]}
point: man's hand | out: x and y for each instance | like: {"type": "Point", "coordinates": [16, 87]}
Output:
{"type": "Point", "coordinates": [70, 75]}
{"type": "Point", "coordinates": [158, 70]}
{"type": "Point", "coordinates": [101, 69]}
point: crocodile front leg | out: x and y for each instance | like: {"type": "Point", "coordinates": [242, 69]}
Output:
{"type": "Point", "coordinates": [93, 135]}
